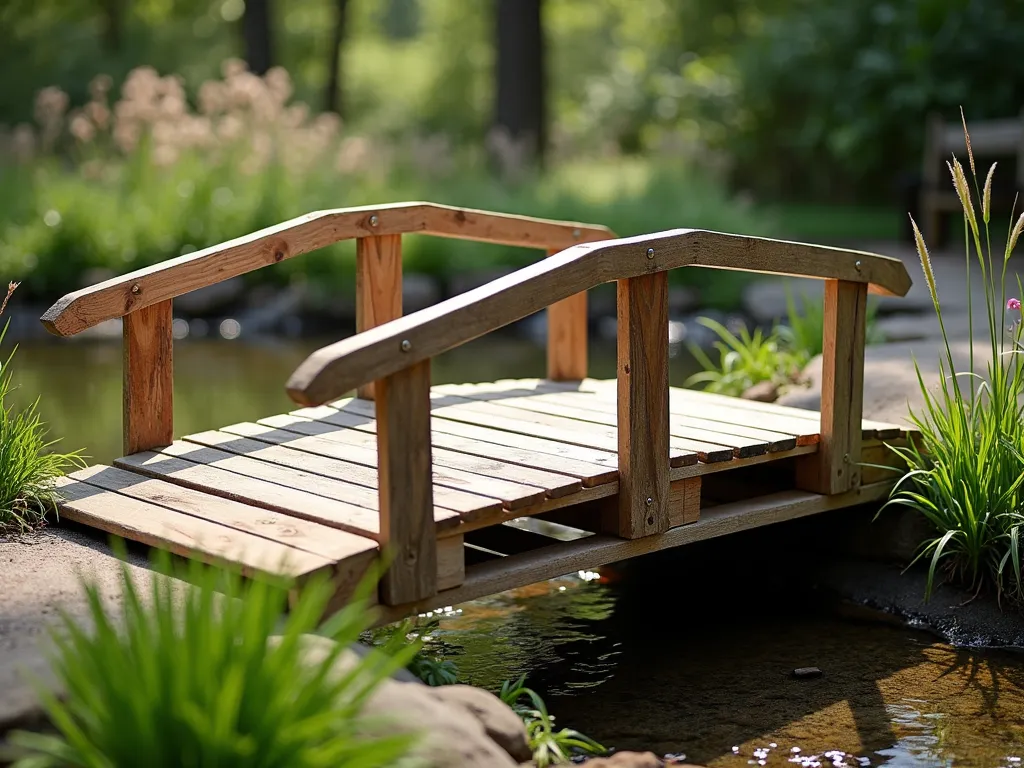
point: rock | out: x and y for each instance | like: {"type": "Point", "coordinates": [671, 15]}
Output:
{"type": "Point", "coordinates": [502, 724]}
{"type": "Point", "coordinates": [763, 392]}
{"type": "Point", "coordinates": [805, 673]}
{"type": "Point", "coordinates": [451, 733]}
{"type": "Point", "coordinates": [626, 760]}
{"type": "Point", "coordinates": [419, 291]}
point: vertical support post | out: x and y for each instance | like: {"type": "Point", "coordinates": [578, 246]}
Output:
{"type": "Point", "coordinates": [567, 338]}
{"type": "Point", "coordinates": [643, 405]}
{"type": "Point", "coordinates": [406, 493]}
{"type": "Point", "coordinates": [833, 469]}
{"type": "Point", "coordinates": [378, 286]}
{"type": "Point", "coordinates": [147, 418]}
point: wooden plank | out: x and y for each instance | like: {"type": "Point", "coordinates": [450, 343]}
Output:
{"type": "Point", "coordinates": [148, 389]}
{"type": "Point", "coordinates": [643, 431]}
{"type": "Point", "coordinates": [594, 551]}
{"type": "Point", "coordinates": [570, 407]}
{"type": "Point", "coordinates": [338, 368]}
{"type": "Point", "coordinates": [378, 285]}
{"type": "Point", "coordinates": [157, 526]}
{"type": "Point", "coordinates": [834, 468]}
{"type": "Point", "coordinates": [115, 298]}
{"type": "Point", "coordinates": [593, 467]}
{"type": "Point", "coordinates": [515, 486]}
{"type": "Point", "coordinates": [684, 501]}
{"type": "Point", "coordinates": [353, 465]}
{"type": "Point", "coordinates": [451, 562]}
{"type": "Point", "coordinates": [406, 495]}
{"type": "Point", "coordinates": [567, 337]}
{"type": "Point", "coordinates": [888, 465]}
{"type": "Point", "coordinates": [256, 483]}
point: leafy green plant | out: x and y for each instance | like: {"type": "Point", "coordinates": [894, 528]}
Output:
{"type": "Point", "coordinates": [745, 359]}
{"type": "Point", "coordinates": [803, 332]}
{"type": "Point", "coordinates": [966, 469]}
{"type": "Point", "coordinates": [28, 467]}
{"type": "Point", "coordinates": [550, 746]}
{"type": "Point", "coordinates": [194, 675]}
{"type": "Point", "coordinates": [429, 669]}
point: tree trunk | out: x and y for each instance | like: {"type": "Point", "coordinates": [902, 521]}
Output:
{"type": "Point", "coordinates": [521, 83]}
{"type": "Point", "coordinates": [256, 23]}
{"type": "Point", "coordinates": [333, 101]}
{"type": "Point", "coordinates": [113, 23]}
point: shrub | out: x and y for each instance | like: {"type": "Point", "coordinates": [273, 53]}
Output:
{"type": "Point", "coordinates": [191, 677]}
{"type": "Point", "coordinates": [967, 467]}
{"type": "Point", "coordinates": [28, 467]}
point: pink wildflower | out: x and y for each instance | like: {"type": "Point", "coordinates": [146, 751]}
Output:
{"type": "Point", "coordinates": [1013, 304]}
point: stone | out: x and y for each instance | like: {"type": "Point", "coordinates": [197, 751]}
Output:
{"type": "Point", "coordinates": [805, 673]}
{"type": "Point", "coordinates": [626, 760]}
{"type": "Point", "coordinates": [503, 725]}
{"type": "Point", "coordinates": [763, 392]}
{"type": "Point", "coordinates": [419, 291]}
{"type": "Point", "coordinates": [450, 734]}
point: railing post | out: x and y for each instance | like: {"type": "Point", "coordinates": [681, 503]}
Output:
{"type": "Point", "coordinates": [147, 416]}
{"type": "Point", "coordinates": [567, 338]}
{"type": "Point", "coordinates": [833, 469]}
{"type": "Point", "coordinates": [378, 286]}
{"type": "Point", "coordinates": [643, 406]}
{"type": "Point", "coordinates": [406, 493]}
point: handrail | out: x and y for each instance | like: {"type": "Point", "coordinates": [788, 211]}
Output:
{"type": "Point", "coordinates": [338, 368]}
{"type": "Point", "coordinates": [145, 287]}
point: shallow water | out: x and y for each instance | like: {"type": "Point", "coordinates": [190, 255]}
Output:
{"type": "Point", "coordinates": [630, 660]}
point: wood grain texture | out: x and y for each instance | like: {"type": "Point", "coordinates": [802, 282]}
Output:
{"type": "Point", "coordinates": [567, 338]}
{"type": "Point", "coordinates": [115, 298]}
{"type": "Point", "coordinates": [594, 551]}
{"type": "Point", "coordinates": [406, 495]}
{"type": "Point", "coordinates": [338, 368]}
{"type": "Point", "coordinates": [643, 433]}
{"type": "Point", "coordinates": [834, 468]}
{"type": "Point", "coordinates": [378, 286]}
{"type": "Point", "coordinates": [147, 417]}
{"type": "Point", "coordinates": [157, 526]}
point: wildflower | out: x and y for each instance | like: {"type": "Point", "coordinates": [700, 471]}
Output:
{"type": "Point", "coordinates": [1013, 304]}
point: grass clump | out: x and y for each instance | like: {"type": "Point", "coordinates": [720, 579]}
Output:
{"type": "Point", "coordinates": [28, 466]}
{"type": "Point", "coordinates": [208, 674]}
{"type": "Point", "coordinates": [778, 356]}
{"type": "Point", "coordinates": [966, 469]}
{"type": "Point", "coordinates": [550, 746]}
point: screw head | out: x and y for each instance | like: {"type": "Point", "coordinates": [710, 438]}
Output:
{"type": "Point", "coordinates": [649, 501]}
{"type": "Point", "coordinates": [374, 221]}
{"type": "Point", "coordinates": [136, 289]}
{"type": "Point", "coordinates": [846, 458]}
{"type": "Point", "coordinates": [650, 253]}
{"type": "Point", "coordinates": [576, 234]}
{"type": "Point", "coordinates": [406, 345]}
{"type": "Point", "coordinates": [857, 265]}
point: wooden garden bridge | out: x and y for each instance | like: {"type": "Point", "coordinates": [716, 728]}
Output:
{"type": "Point", "coordinates": [438, 475]}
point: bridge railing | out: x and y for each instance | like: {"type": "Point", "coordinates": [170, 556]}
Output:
{"type": "Point", "coordinates": [397, 356]}
{"type": "Point", "coordinates": [143, 298]}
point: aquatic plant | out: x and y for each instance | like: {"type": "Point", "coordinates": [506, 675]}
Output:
{"type": "Point", "coordinates": [966, 468]}
{"type": "Point", "coordinates": [204, 673]}
{"type": "Point", "coordinates": [550, 746]}
{"type": "Point", "coordinates": [28, 466]}
{"type": "Point", "coordinates": [430, 669]}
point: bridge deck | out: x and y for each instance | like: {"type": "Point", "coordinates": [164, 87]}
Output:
{"type": "Point", "coordinates": [297, 493]}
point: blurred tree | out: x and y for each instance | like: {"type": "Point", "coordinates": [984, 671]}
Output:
{"type": "Point", "coordinates": [520, 100]}
{"type": "Point", "coordinates": [257, 21]}
{"type": "Point", "coordinates": [333, 101]}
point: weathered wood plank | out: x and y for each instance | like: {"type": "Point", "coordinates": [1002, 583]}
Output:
{"type": "Point", "coordinates": [567, 338]}
{"type": "Point", "coordinates": [643, 431]}
{"type": "Point", "coordinates": [378, 285]}
{"type": "Point", "coordinates": [259, 484]}
{"type": "Point", "coordinates": [148, 388]}
{"type": "Point", "coordinates": [834, 468]}
{"type": "Point", "coordinates": [404, 464]}
{"type": "Point", "coordinates": [157, 526]}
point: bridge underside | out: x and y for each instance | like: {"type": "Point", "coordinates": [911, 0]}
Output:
{"type": "Point", "coordinates": [525, 484]}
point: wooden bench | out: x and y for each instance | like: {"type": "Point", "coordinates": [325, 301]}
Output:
{"type": "Point", "coordinates": [991, 139]}
{"type": "Point", "coordinates": [443, 477]}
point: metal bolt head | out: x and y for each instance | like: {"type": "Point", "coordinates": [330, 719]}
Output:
{"type": "Point", "coordinates": [406, 345]}
{"type": "Point", "coordinates": [576, 234]}
{"type": "Point", "coordinates": [649, 501]}
{"type": "Point", "coordinates": [846, 458]}
{"type": "Point", "coordinates": [650, 253]}
{"type": "Point", "coordinates": [136, 289]}
{"type": "Point", "coordinates": [374, 221]}
{"type": "Point", "coordinates": [857, 265]}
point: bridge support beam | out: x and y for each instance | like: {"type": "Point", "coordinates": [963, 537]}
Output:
{"type": "Point", "coordinates": [378, 286]}
{"type": "Point", "coordinates": [147, 418]}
